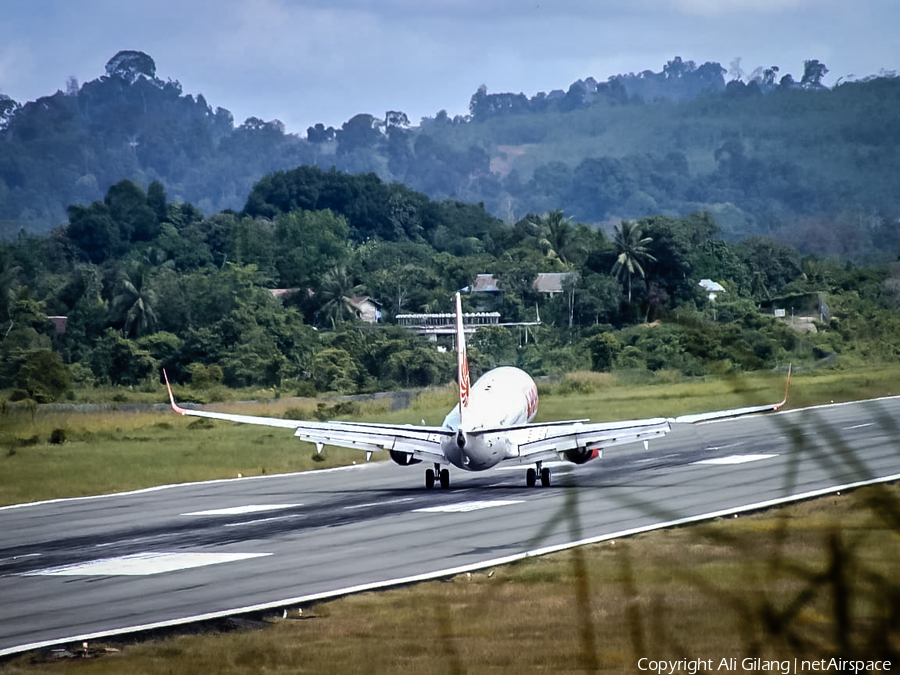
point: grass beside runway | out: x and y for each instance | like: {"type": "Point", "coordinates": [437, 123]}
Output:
{"type": "Point", "coordinates": [812, 581]}
{"type": "Point", "coordinates": [113, 451]}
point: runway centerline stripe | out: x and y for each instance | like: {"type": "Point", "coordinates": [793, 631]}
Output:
{"type": "Point", "coordinates": [143, 564]}
{"type": "Point", "coordinates": [466, 507]}
{"type": "Point", "coordinates": [734, 459]}
{"type": "Point", "coordinates": [241, 510]}
{"type": "Point", "coordinates": [266, 520]}
{"type": "Point", "coordinates": [370, 504]}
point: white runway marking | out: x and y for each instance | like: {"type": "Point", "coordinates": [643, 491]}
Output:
{"type": "Point", "coordinates": [655, 459]}
{"type": "Point", "coordinates": [725, 447]}
{"type": "Point", "coordinates": [370, 504]}
{"type": "Point", "coordinates": [21, 557]}
{"type": "Point", "coordinates": [240, 510]}
{"type": "Point", "coordinates": [141, 564]}
{"type": "Point", "coordinates": [734, 459]}
{"type": "Point", "coordinates": [465, 507]}
{"type": "Point", "coordinates": [860, 426]}
{"type": "Point", "coordinates": [266, 520]}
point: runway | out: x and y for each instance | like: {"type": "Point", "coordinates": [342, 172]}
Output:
{"type": "Point", "coordinates": [81, 569]}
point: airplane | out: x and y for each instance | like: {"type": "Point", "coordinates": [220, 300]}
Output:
{"type": "Point", "coordinates": [490, 424]}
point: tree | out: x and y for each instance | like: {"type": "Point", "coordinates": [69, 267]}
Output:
{"type": "Point", "coordinates": [772, 265]}
{"type": "Point", "coordinates": [674, 240]}
{"type": "Point", "coordinates": [255, 360]}
{"type": "Point", "coordinates": [497, 344]}
{"type": "Point", "coordinates": [359, 132]}
{"type": "Point", "coordinates": [813, 72]}
{"type": "Point", "coordinates": [420, 365]}
{"type": "Point", "coordinates": [337, 286]}
{"type": "Point", "coordinates": [128, 207]}
{"type": "Point", "coordinates": [557, 237]}
{"type": "Point", "coordinates": [308, 242]}
{"type": "Point", "coordinates": [156, 200]}
{"type": "Point", "coordinates": [43, 377]}
{"type": "Point", "coordinates": [116, 360]}
{"type": "Point", "coordinates": [8, 272]}
{"type": "Point", "coordinates": [135, 301]}
{"type": "Point", "coordinates": [604, 349]}
{"type": "Point", "coordinates": [631, 247]}
{"type": "Point", "coordinates": [720, 260]}
{"type": "Point", "coordinates": [93, 230]}
{"type": "Point", "coordinates": [335, 370]}
{"type": "Point", "coordinates": [596, 298]}
{"type": "Point", "coordinates": [8, 108]}
{"type": "Point", "coordinates": [129, 65]}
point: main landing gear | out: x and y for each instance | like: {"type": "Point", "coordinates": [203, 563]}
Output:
{"type": "Point", "coordinates": [443, 475]}
{"type": "Point", "coordinates": [537, 470]}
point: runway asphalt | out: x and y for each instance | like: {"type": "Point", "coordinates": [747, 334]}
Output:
{"type": "Point", "coordinates": [81, 569]}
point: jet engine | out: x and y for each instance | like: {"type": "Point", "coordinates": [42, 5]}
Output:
{"type": "Point", "coordinates": [403, 458]}
{"type": "Point", "coordinates": [581, 455]}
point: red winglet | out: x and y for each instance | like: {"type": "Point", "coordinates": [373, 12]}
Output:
{"type": "Point", "coordinates": [787, 386]}
{"type": "Point", "coordinates": [172, 396]}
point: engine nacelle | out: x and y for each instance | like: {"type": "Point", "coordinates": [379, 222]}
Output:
{"type": "Point", "coordinates": [403, 458]}
{"type": "Point", "coordinates": [581, 455]}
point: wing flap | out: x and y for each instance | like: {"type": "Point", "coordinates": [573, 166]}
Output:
{"type": "Point", "coordinates": [555, 439]}
{"type": "Point", "coordinates": [372, 438]}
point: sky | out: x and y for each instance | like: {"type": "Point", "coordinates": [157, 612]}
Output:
{"type": "Point", "coordinates": [309, 61]}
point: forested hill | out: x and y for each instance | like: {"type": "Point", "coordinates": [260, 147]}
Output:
{"type": "Point", "coordinates": [764, 153]}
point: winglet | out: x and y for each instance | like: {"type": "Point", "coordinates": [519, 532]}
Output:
{"type": "Point", "coordinates": [175, 407]}
{"type": "Point", "coordinates": [462, 361]}
{"type": "Point", "coordinates": [787, 387]}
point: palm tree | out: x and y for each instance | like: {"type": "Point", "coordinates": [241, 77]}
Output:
{"type": "Point", "coordinates": [337, 285]}
{"type": "Point", "coordinates": [135, 300]}
{"type": "Point", "coordinates": [631, 247]}
{"type": "Point", "coordinates": [557, 237]}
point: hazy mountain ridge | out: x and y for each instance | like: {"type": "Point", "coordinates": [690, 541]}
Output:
{"type": "Point", "coordinates": [792, 159]}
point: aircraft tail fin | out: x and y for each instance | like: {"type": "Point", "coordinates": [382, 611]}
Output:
{"type": "Point", "coordinates": [462, 361]}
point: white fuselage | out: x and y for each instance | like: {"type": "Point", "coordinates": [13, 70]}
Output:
{"type": "Point", "coordinates": [502, 397]}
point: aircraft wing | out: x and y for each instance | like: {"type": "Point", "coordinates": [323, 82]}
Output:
{"type": "Point", "coordinates": [735, 412]}
{"type": "Point", "coordinates": [549, 441]}
{"type": "Point", "coordinates": [420, 441]}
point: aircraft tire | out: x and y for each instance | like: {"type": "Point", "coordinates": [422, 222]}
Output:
{"type": "Point", "coordinates": [530, 477]}
{"type": "Point", "coordinates": [545, 477]}
{"type": "Point", "coordinates": [445, 479]}
{"type": "Point", "coordinates": [429, 478]}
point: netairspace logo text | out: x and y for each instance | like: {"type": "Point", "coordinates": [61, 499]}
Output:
{"type": "Point", "coordinates": [757, 665]}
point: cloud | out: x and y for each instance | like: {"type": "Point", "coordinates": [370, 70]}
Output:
{"type": "Point", "coordinates": [718, 7]}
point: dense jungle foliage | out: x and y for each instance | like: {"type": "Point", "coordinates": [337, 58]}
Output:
{"type": "Point", "coordinates": [766, 153]}
{"type": "Point", "coordinates": [146, 282]}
